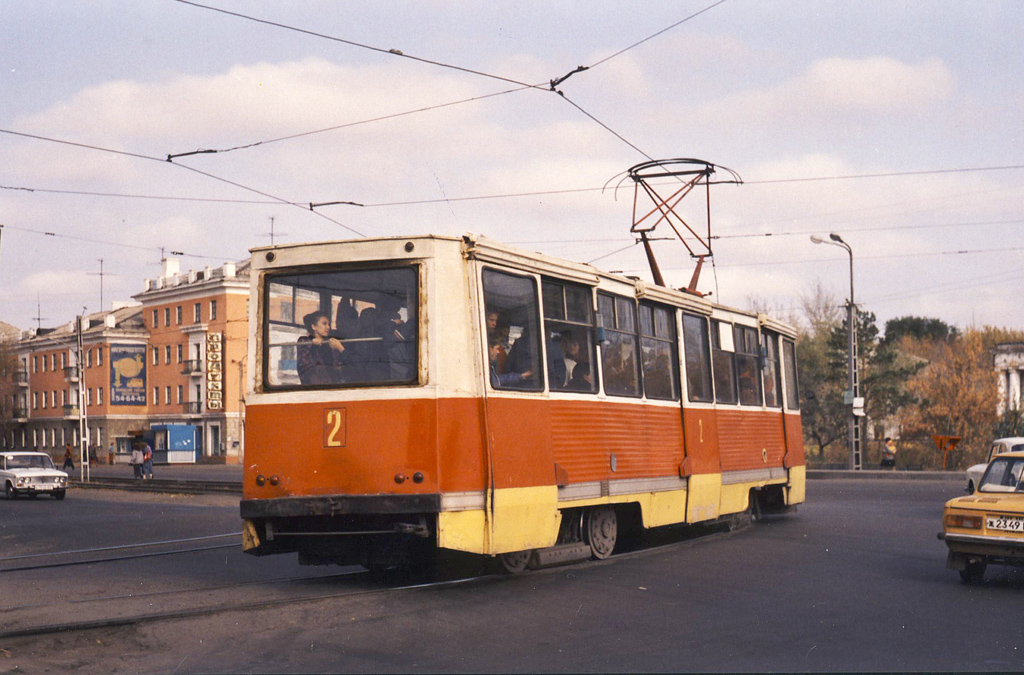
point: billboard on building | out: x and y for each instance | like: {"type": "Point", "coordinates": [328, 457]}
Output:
{"type": "Point", "coordinates": [127, 374]}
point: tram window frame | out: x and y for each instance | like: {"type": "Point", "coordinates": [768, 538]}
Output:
{"type": "Point", "coordinates": [792, 374]}
{"type": "Point", "coordinates": [307, 296]}
{"type": "Point", "coordinates": [747, 351]}
{"type": "Point", "coordinates": [569, 317]}
{"type": "Point", "coordinates": [659, 339]}
{"type": "Point", "coordinates": [723, 366]}
{"type": "Point", "coordinates": [771, 369]}
{"type": "Point", "coordinates": [697, 359]}
{"type": "Point", "coordinates": [617, 314]}
{"type": "Point", "coordinates": [528, 312]}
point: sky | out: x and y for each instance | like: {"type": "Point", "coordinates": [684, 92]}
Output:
{"type": "Point", "coordinates": [895, 124]}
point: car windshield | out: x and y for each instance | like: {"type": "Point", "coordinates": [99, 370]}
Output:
{"type": "Point", "coordinates": [29, 462]}
{"type": "Point", "coordinates": [1003, 475]}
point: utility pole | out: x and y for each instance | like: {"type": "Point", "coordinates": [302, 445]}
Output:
{"type": "Point", "coordinates": [83, 415]}
{"type": "Point", "coordinates": [852, 397]}
{"type": "Point", "coordinates": [100, 274]}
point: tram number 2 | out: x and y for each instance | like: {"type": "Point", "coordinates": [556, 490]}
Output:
{"type": "Point", "coordinates": [334, 427]}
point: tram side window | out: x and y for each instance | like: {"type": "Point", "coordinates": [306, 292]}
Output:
{"type": "Point", "coordinates": [569, 323]}
{"type": "Point", "coordinates": [747, 351]}
{"type": "Point", "coordinates": [770, 372]}
{"type": "Point", "coordinates": [619, 361]}
{"type": "Point", "coordinates": [658, 352]}
{"type": "Point", "coordinates": [792, 384]}
{"type": "Point", "coordinates": [723, 366]}
{"type": "Point", "coordinates": [513, 331]}
{"type": "Point", "coordinates": [698, 360]}
{"type": "Point", "coordinates": [341, 328]}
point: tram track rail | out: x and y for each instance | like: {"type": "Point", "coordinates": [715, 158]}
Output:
{"type": "Point", "coordinates": [699, 536]}
{"type": "Point", "coordinates": [164, 485]}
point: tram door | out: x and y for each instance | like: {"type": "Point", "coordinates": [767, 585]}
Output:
{"type": "Point", "coordinates": [700, 423]}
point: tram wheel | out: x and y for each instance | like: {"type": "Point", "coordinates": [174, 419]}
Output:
{"type": "Point", "coordinates": [600, 531]}
{"type": "Point", "coordinates": [514, 563]}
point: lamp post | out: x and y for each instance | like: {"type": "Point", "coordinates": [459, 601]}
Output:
{"type": "Point", "coordinates": [852, 397]}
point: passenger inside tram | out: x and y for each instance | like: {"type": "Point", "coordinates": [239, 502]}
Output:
{"type": "Point", "coordinates": [320, 359]}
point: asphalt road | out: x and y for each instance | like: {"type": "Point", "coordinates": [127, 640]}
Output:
{"type": "Point", "coordinates": [854, 581]}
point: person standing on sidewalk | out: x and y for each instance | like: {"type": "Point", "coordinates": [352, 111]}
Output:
{"type": "Point", "coordinates": [69, 458]}
{"type": "Point", "coordinates": [136, 461]}
{"type": "Point", "coordinates": [147, 463]}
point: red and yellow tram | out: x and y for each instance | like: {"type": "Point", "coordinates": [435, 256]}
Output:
{"type": "Point", "coordinates": [423, 393]}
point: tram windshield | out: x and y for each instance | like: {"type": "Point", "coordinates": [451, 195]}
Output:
{"type": "Point", "coordinates": [341, 328]}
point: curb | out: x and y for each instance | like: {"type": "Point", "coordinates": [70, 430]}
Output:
{"type": "Point", "coordinates": [846, 474]}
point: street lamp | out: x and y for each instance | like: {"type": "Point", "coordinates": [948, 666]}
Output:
{"type": "Point", "coordinates": [853, 397]}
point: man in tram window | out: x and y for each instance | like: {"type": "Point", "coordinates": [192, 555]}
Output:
{"type": "Point", "coordinates": [579, 374]}
{"type": "Point", "coordinates": [509, 379]}
{"type": "Point", "coordinates": [319, 355]}
{"type": "Point", "coordinates": [497, 333]}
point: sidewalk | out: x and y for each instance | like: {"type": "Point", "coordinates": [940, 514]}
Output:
{"type": "Point", "coordinates": [188, 472]}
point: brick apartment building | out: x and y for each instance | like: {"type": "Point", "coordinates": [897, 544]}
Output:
{"type": "Point", "coordinates": [171, 367]}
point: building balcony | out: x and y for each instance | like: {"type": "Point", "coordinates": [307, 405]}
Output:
{"type": "Point", "coordinates": [193, 367]}
{"type": "Point", "coordinates": [193, 407]}
{"type": "Point", "coordinates": [19, 413]}
{"type": "Point", "coordinates": [71, 373]}
{"type": "Point", "coordinates": [21, 377]}
{"type": "Point", "coordinates": [71, 410]}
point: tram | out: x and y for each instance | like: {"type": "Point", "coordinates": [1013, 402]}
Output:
{"type": "Point", "coordinates": [410, 395]}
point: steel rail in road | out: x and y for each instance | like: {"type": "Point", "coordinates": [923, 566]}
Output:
{"type": "Point", "coordinates": [700, 534]}
{"type": "Point", "coordinates": [165, 485]}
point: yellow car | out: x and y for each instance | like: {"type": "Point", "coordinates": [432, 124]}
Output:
{"type": "Point", "coordinates": [987, 526]}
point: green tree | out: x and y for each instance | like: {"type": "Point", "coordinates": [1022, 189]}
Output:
{"type": "Point", "coordinates": [918, 327]}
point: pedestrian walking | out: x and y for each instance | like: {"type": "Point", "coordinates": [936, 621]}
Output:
{"type": "Point", "coordinates": [147, 463]}
{"type": "Point", "coordinates": [69, 458]}
{"type": "Point", "coordinates": [135, 459]}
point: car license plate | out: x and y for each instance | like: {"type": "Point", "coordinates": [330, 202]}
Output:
{"type": "Point", "coordinates": [1005, 523]}
{"type": "Point", "coordinates": [43, 487]}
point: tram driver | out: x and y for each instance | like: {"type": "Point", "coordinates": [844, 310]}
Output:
{"type": "Point", "coordinates": [320, 359]}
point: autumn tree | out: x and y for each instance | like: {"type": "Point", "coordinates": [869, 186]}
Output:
{"type": "Point", "coordinates": [957, 393]}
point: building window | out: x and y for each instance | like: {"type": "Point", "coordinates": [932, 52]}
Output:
{"type": "Point", "coordinates": [156, 395]}
{"type": "Point", "coordinates": [35, 364]}
{"type": "Point", "coordinates": [63, 361]}
{"type": "Point", "coordinates": [180, 353]}
{"type": "Point", "coordinates": [167, 395]}
{"type": "Point", "coordinates": [44, 363]}
{"type": "Point", "coordinates": [167, 316]}
{"type": "Point", "coordinates": [35, 400]}
{"type": "Point", "coordinates": [167, 354]}
{"type": "Point", "coordinates": [178, 314]}
{"type": "Point", "coordinates": [156, 318]}
{"type": "Point", "coordinates": [156, 356]}
{"type": "Point", "coordinates": [88, 396]}
{"type": "Point", "coordinates": [53, 362]}
{"type": "Point", "coordinates": [213, 310]}
{"type": "Point", "coordinates": [180, 393]}
{"type": "Point", "coordinates": [88, 358]}
{"type": "Point", "coordinates": [64, 397]}
{"type": "Point", "coordinates": [99, 396]}
{"type": "Point", "coordinates": [197, 312]}
{"type": "Point", "coordinates": [99, 356]}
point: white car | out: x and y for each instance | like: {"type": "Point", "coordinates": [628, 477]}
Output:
{"type": "Point", "coordinates": [999, 446]}
{"type": "Point", "coordinates": [31, 473]}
